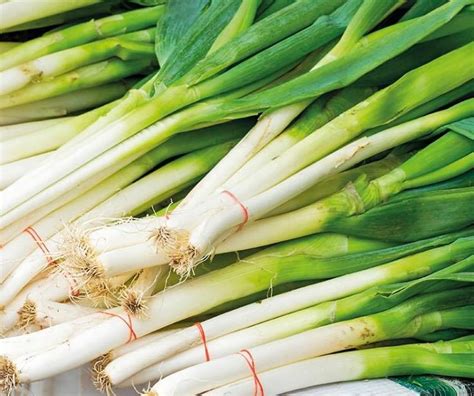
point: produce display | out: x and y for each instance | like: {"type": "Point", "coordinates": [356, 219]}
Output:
{"type": "Point", "coordinates": [236, 197]}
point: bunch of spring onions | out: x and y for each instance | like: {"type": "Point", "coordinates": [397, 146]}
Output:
{"type": "Point", "coordinates": [238, 196]}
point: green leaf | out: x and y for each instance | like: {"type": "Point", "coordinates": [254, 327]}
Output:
{"type": "Point", "coordinates": [418, 216]}
{"type": "Point", "coordinates": [179, 16]}
{"type": "Point", "coordinates": [199, 38]}
{"type": "Point", "coordinates": [458, 272]}
{"type": "Point", "coordinates": [287, 51]}
{"type": "Point", "coordinates": [275, 6]}
{"type": "Point", "coordinates": [261, 35]}
{"type": "Point", "coordinates": [354, 65]}
{"type": "Point", "coordinates": [463, 127]}
{"type": "Point", "coordinates": [421, 7]}
{"type": "Point", "coordinates": [242, 20]}
{"type": "Point", "coordinates": [148, 3]}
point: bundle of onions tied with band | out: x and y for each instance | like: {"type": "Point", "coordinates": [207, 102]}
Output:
{"type": "Point", "coordinates": [236, 197]}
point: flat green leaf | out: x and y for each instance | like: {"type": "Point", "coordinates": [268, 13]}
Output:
{"type": "Point", "coordinates": [354, 65]}
{"type": "Point", "coordinates": [275, 6]}
{"type": "Point", "coordinates": [292, 49]}
{"type": "Point", "coordinates": [198, 39]}
{"type": "Point", "coordinates": [418, 216]}
{"type": "Point", "coordinates": [148, 3]}
{"type": "Point", "coordinates": [421, 7]}
{"type": "Point", "coordinates": [179, 16]}
{"type": "Point", "coordinates": [261, 35]}
{"type": "Point", "coordinates": [463, 127]}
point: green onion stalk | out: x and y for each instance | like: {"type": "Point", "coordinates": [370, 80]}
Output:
{"type": "Point", "coordinates": [452, 359]}
{"type": "Point", "coordinates": [447, 157]}
{"type": "Point", "coordinates": [88, 211]}
{"type": "Point", "coordinates": [176, 146]}
{"type": "Point", "coordinates": [115, 259]}
{"type": "Point", "coordinates": [406, 81]}
{"type": "Point", "coordinates": [84, 77]}
{"type": "Point", "coordinates": [152, 188]}
{"type": "Point", "coordinates": [388, 72]}
{"type": "Point", "coordinates": [418, 315]}
{"type": "Point", "coordinates": [67, 103]}
{"type": "Point", "coordinates": [95, 10]}
{"type": "Point", "coordinates": [334, 184]}
{"type": "Point", "coordinates": [203, 237]}
{"type": "Point", "coordinates": [81, 33]}
{"type": "Point", "coordinates": [365, 303]}
{"type": "Point", "coordinates": [320, 112]}
{"type": "Point", "coordinates": [8, 132]}
{"type": "Point", "coordinates": [342, 224]}
{"type": "Point", "coordinates": [126, 47]}
{"type": "Point", "coordinates": [114, 159]}
{"type": "Point", "coordinates": [16, 12]}
{"type": "Point", "coordinates": [304, 152]}
{"type": "Point", "coordinates": [148, 113]}
{"type": "Point", "coordinates": [166, 101]}
{"type": "Point", "coordinates": [384, 221]}
{"type": "Point", "coordinates": [12, 171]}
{"type": "Point", "coordinates": [402, 269]}
{"type": "Point", "coordinates": [28, 139]}
{"type": "Point", "coordinates": [110, 332]}
{"type": "Point", "coordinates": [274, 122]}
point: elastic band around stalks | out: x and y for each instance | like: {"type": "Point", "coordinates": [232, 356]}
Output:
{"type": "Point", "coordinates": [245, 211]}
{"type": "Point", "coordinates": [253, 369]}
{"type": "Point", "coordinates": [40, 243]}
{"type": "Point", "coordinates": [204, 340]}
{"type": "Point", "coordinates": [129, 324]}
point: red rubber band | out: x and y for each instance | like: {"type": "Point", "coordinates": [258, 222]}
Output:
{"type": "Point", "coordinates": [204, 341]}
{"type": "Point", "coordinates": [253, 369]}
{"type": "Point", "coordinates": [40, 243]}
{"type": "Point", "coordinates": [245, 211]}
{"type": "Point", "coordinates": [133, 335]}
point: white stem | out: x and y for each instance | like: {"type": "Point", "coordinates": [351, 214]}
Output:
{"type": "Point", "coordinates": [42, 341]}
{"type": "Point", "coordinates": [24, 243]}
{"type": "Point", "coordinates": [132, 257]}
{"type": "Point", "coordinates": [51, 313]}
{"type": "Point", "coordinates": [308, 344]}
{"type": "Point", "coordinates": [53, 288]}
{"type": "Point", "coordinates": [106, 164]}
{"type": "Point", "coordinates": [10, 173]}
{"type": "Point", "coordinates": [125, 234]}
{"type": "Point", "coordinates": [339, 367]}
{"type": "Point", "coordinates": [241, 318]}
{"type": "Point", "coordinates": [48, 138]}
{"type": "Point", "coordinates": [234, 342]}
{"type": "Point", "coordinates": [28, 128]}
{"type": "Point", "coordinates": [142, 342]}
{"type": "Point", "coordinates": [267, 128]}
{"type": "Point", "coordinates": [257, 206]}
